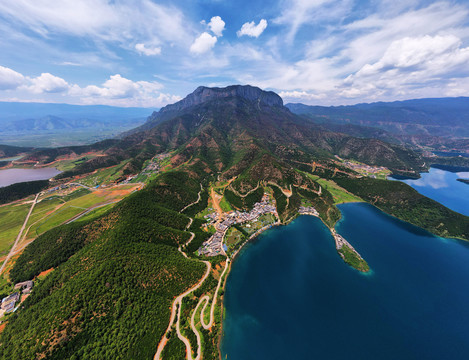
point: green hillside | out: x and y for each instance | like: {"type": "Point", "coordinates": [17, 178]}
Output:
{"type": "Point", "coordinates": [113, 283]}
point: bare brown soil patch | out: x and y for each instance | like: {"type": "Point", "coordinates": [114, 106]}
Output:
{"type": "Point", "coordinates": [45, 272]}
{"type": "Point", "coordinates": [216, 201]}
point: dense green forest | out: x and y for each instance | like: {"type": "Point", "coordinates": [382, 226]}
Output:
{"type": "Point", "coordinates": [453, 164]}
{"type": "Point", "coordinates": [287, 207]}
{"type": "Point", "coordinates": [114, 280]}
{"type": "Point", "coordinates": [402, 201]}
{"type": "Point", "coordinates": [324, 204]}
{"type": "Point", "coordinates": [244, 203]}
{"type": "Point", "coordinates": [9, 151]}
{"type": "Point", "coordinates": [351, 258]}
{"type": "Point", "coordinates": [21, 190]}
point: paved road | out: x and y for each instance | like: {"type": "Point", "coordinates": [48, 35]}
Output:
{"type": "Point", "coordinates": [89, 210]}
{"type": "Point", "coordinates": [19, 235]}
{"type": "Point", "coordinates": [78, 184]}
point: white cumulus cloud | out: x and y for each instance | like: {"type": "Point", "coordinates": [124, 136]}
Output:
{"type": "Point", "coordinates": [118, 87]}
{"type": "Point", "coordinates": [251, 29]}
{"type": "Point", "coordinates": [116, 91]}
{"type": "Point", "coordinates": [10, 79]}
{"type": "Point", "coordinates": [203, 43]}
{"type": "Point", "coordinates": [47, 83]}
{"type": "Point", "coordinates": [216, 25]}
{"type": "Point", "coordinates": [120, 91]}
{"type": "Point", "coordinates": [142, 49]}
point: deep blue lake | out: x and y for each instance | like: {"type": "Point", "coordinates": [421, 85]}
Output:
{"type": "Point", "coordinates": [442, 186]}
{"type": "Point", "coordinates": [290, 296]}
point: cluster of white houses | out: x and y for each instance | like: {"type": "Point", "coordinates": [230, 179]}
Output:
{"type": "Point", "coordinates": [214, 245]}
{"type": "Point", "coordinates": [308, 210]}
{"type": "Point", "coordinates": [364, 167]}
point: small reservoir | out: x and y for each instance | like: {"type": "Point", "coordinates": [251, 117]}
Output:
{"type": "Point", "coordinates": [13, 176]}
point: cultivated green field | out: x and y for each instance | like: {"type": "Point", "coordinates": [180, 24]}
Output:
{"type": "Point", "coordinates": [253, 226]}
{"type": "Point", "coordinates": [96, 212]}
{"type": "Point", "coordinates": [233, 236]}
{"type": "Point", "coordinates": [65, 165]}
{"type": "Point", "coordinates": [225, 205]}
{"type": "Point", "coordinates": [64, 213]}
{"type": "Point", "coordinates": [12, 218]}
{"type": "Point", "coordinates": [339, 194]}
{"type": "Point", "coordinates": [103, 176]}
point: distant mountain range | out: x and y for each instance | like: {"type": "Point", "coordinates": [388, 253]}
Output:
{"type": "Point", "coordinates": [38, 124]}
{"type": "Point", "coordinates": [11, 111]}
{"type": "Point", "coordinates": [421, 122]}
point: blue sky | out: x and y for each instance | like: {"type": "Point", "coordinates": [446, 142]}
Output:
{"type": "Point", "coordinates": [150, 53]}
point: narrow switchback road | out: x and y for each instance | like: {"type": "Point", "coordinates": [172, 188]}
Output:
{"type": "Point", "coordinates": [214, 301]}
{"type": "Point", "coordinates": [177, 308]}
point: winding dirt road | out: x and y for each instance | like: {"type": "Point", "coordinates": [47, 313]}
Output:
{"type": "Point", "coordinates": [196, 332]}
{"type": "Point", "coordinates": [214, 301]}
{"type": "Point", "coordinates": [216, 201]}
{"type": "Point", "coordinates": [177, 304]}
{"type": "Point", "coordinates": [177, 308]}
{"type": "Point", "coordinates": [195, 202]}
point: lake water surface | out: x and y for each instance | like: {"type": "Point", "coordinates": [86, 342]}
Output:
{"type": "Point", "coordinates": [442, 186]}
{"type": "Point", "coordinates": [12, 176]}
{"type": "Point", "coordinates": [290, 296]}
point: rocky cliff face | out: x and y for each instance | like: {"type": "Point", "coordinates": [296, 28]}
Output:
{"type": "Point", "coordinates": [203, 94]}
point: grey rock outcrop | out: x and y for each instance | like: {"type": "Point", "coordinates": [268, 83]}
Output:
{"type": "Point", "coordinates": [203, 94]}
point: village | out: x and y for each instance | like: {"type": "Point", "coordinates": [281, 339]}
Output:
{"type": "Point", "coordinates": [214, 246]}
{"type": "Point", "coordinates": [308, 210]}
{"type": "Point", "coordinates": [364, 169]}
{"type": "Point", "coordinates": [153, 167]}
{"type": "Point", "coordinates": [341, 242]}
{"type": "Point", "coordinates": [222, 222]}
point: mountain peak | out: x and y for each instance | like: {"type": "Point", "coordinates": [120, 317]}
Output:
{"type": "Point", "coordinates": [204, 94]}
